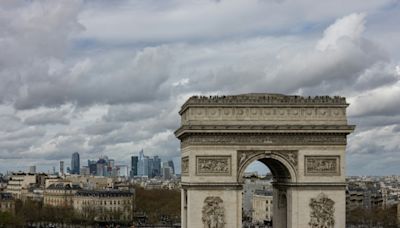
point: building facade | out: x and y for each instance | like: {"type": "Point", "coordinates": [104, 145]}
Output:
{"type": "Point", "coordinates": [75, 163]}
{"type": "Point", "coordinates": [60, 194]}
{"type": "Point", "coordinates": [104, 205]}
{"type": "Point", "coordinates": [20, 182]}
{"type": "Point", "coordinates": [134, 166]}
{"type": "Point", "coordinates": [61, 168]}
{"type": "Point", "coordinates": [262, 206]}
{"type": "Point", "coordinates": [7, 203]}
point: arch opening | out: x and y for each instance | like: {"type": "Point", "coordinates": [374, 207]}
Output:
{"type": "Point", "coordinates": [264, 201]}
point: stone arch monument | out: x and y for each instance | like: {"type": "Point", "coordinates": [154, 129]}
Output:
{"type": "Point", "coordinates": [301, 139]}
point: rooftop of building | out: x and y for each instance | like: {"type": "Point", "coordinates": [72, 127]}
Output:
{"type": "Point", "coordinates": [64, 186]}
{"type": "Point", "coordinates": [264, 99]}
{"type": "Point", "coordinates": [104, 193]}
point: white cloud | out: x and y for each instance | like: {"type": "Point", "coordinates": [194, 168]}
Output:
{"type": "Point", "coordinates": [349, 27]}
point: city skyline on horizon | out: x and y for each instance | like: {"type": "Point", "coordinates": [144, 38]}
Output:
{"type": "Point", "coordinates": [110, 78]}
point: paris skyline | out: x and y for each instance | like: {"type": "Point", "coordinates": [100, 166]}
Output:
{"type": "Point", "coordinates": [109, 77]}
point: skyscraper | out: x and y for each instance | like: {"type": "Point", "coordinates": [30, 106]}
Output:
{"type": "Point", "coordinates": [92, 167]}
{"type": "Point", "coordinates": [75, 163]}
{"type": "Point", "coordinates": [150, 167]}
{"type": "Point", "coordinates": [134, 166]}
{"type": "Point", "coordinates": [171, 165]}
{"type": "Point", "coordinates": [143, 165]}
{"type": "Point", "coordinates": [156, 166]}
{"type": "Point", "coordinates": [61, 168]}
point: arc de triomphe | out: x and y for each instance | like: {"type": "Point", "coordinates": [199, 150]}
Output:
{"type": "Point", "coordinates": [302, 140]}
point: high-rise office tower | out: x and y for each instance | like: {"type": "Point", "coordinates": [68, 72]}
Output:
{"type": "Point", "coordinates": [61, 168]}
{"type": "Point", "coordinates": [150, 168]}
{"type": "Point", "coordinates": [156, 166]}
{"type": "Point", "coordinates": [171, 165]}
{"type": "Point", "coordinates": [134, 166]}
{"type": "Point", "coordinates": [92, 164]}
{"type": "Point", "coordinates": [166, 172]}
{"type": "Point", "coordinates": [75, 163]}
{"type": "Point", "coordinates": [143, 165]}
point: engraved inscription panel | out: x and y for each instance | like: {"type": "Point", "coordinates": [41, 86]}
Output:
{"type": "Point", "coordinates": [213, 165]}
{"type": "Point", "coordinates": [322, 165]}
{"type": "Point", "coordinates": [185, 166]}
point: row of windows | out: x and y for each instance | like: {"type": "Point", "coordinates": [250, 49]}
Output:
{"type": "Point", "coordinates": [106, 202]}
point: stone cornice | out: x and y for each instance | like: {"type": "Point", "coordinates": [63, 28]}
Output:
{"type": "Point", "coordinates": [239, 185]}
{"type": "Point", "coordinates": [193, 129]}
{"type": "Point", "coordinates": [216, 139]}
{"type": "Point", "coordinates": [213, 185]}
{"type": "Point", "coordinates": [263, 99]}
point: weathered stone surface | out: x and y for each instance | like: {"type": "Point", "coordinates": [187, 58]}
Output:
{"type": "Point", "coordinates": [213, 212]}
{"type": "Point", "coordinates": [301, 139]}
{"type": "Point", "coordinates": [213, 165]}
{"type": "Point", "coordinates": [185, 166]}
{"type": "Point", "coordinates": [322, 165]}
{"type": "Point", "coordinates": [322, 212]}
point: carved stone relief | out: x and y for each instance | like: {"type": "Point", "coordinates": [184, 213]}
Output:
{"type": "Point", "coordinates": [185, 166]}
{"type": "Point", "coordinates": [289, 155]}
{"type": "Point", "coordinates": [213, 213]}
{"type": "Point", "coordinates": [244, 155]}
{"type": "Point", "coordinates": [264, 139]}
{"type": "Point", "coordinates": [322, 165]}
{"type": "Point", "coordinates": [322, 212]}
{"type": "Point", "coordinates": [213, 165]}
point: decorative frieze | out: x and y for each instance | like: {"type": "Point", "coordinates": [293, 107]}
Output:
{"type": "Point", "coordinates": [213, 165]}
{"type": "Point", "coordinates": [213, 213]}
{"type": "Point", "coordinates": [322, 165]}
{"type": "Point", "coordinates": [322, 212]}
{"type": "Point", "coordinates": [263, 139]}
{"type": "Point", "coordinates": [185, 166]}
{"type": "Point", "coordinates": [265, 114]}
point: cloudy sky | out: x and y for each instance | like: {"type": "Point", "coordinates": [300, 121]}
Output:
{"type": "Point", "coordinates": [108, 77]}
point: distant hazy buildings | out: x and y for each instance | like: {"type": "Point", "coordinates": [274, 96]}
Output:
{"type": "Point", "coordinates": [168, 170]}
{"type": "Point", "coordinates": [134, 166]}
{"type": "Point", "coordinates": [61, 168]}
{"type": "Point", "coordinates": [144, 166]}
{"type": "Point", "coordinates": [171, 165]}
{"type": "Point", "coordinates": [32, 169]}
{"type": "Point", "coordinates": [75, 163]}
